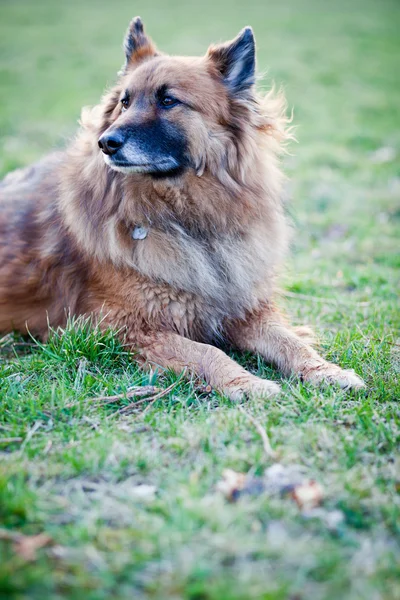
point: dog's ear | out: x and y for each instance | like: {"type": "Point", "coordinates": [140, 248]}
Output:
{"type": "Point", "coordinates": [137, 45]}
{"type": "Point", "coordinates": [236, 62]}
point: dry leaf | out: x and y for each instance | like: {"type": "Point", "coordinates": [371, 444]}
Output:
{"type": "Point", "coordinates": [277, 479]}
{"type": "Point", "coordinates": [232, 484]}
{"type": "Point", "coordinates": [27, 545]}
{"type": "Point", "coordinates": [308, 494]}
{"type": "Point", "coordinates": [235, 484]}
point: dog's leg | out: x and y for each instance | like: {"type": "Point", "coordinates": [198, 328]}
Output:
{"type": "Point", "coordinates": [266, 332]}
{"type": "Point", "coordinates": [172, 351]}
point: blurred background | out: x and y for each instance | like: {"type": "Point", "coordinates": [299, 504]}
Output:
{"type": "Point", "coordinates": [337, 61]}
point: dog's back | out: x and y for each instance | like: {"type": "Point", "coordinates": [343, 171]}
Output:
{"type": "Point", "coordinates": [38, 264]}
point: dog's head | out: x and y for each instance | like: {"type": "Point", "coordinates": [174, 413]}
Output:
{"type": "Point", "coordinates": [169, 114]}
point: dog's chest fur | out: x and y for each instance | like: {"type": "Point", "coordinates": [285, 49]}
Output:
{"type": "Point", "coordinates": [224, 270]}
{"type": "Point", "coordinates": [197, 282]}
{"type": "Point", "coordinates": [193, 274]}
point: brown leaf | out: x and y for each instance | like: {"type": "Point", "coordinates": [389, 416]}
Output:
{"type": "Point", "coordinates": [277, 479]}
{"type": "Point", "coordinates": [308, 494]}
{"type": "Point", "coordinates": [26, 545]}
{"type": "Point", "coordinates": [232, 484]}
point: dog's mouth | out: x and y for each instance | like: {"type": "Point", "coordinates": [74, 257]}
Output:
{"type": "Point", "coordinates": [158, 167]}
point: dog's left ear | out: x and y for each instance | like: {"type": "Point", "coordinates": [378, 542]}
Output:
{"type": "Point", "coordinates": [236, 62]}
{"type": "Point", "coordinates": [137, 45]}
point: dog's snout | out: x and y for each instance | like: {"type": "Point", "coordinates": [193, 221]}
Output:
{"type": "Point", "coordinates": [109, 143]}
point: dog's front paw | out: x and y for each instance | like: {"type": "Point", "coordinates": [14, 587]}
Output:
{"type": "Point", "coordinates": [251, 387]}
{"type": "Point", "coordinates": [328, 373]}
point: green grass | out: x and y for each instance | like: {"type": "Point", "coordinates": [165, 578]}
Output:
{"type": "Point", "coordinates": [74, 468]}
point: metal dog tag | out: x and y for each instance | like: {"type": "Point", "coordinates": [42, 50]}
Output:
{"type": "Point", "coordinates": [139, 233]}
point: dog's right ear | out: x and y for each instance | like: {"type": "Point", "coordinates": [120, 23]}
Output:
{"type": "Point", "coordinates": [138, 46]}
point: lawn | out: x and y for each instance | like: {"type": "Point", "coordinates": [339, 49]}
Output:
{"type": "Point", "coordinates": [126, 499]}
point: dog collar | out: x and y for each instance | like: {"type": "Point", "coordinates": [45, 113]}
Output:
{"type": "Point", "coordinates": [139, 232]}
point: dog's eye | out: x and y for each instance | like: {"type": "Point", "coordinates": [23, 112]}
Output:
{"type": "Point", "coordinates": [168, 101]}
{"type": "Point", "coordinates": [125, 102]}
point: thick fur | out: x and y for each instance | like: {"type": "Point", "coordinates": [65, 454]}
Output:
{"type": "Point", "coordinates": [216, 231]}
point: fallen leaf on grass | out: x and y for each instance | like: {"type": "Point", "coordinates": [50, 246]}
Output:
{"type": "Point", "coordinates": [308, 495]}
{"type": "Point", "coordinates": [278, 479]}
{"type": "Point", "coordinates": [232, 484]}
{"type": "Point", "coordinates": [26, 545]}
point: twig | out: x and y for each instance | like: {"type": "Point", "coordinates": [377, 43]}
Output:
{"type": "Point", "coordinates": [6, 340]}
{"type": "Point", "coordinates": [5, 427]}
{"type": "Point", "coordinates": [323, 300]}
{"type": "Point", "coordinates": [48, 447]}
{"type": "Point", "coordinates": [10, 440]}
{"type": "Point", "coordinates": [30, 434]}
{"type": "Point", "coordinates": [7, 534]}
{"type": "Point", "coordinates": [151, 400]}
{"type": "Point", "coordinates": [164, 392]}
{"type": "Point", "coordinates": [137, 392]}
{"type": "Point", "coordinates": [263, 434]}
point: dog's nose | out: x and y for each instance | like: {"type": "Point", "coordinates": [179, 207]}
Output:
{"type": "Point", "coordinates": [109, 143]}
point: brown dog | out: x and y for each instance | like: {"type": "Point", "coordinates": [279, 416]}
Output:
{"type": "Point", "coordinates": [164, 220]}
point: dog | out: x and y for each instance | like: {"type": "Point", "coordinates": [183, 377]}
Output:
{"type": "Point", "coordinates": [163, 220]}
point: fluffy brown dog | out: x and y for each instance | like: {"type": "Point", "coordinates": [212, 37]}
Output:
{"type": "Point", "coordinates": [164, 220]}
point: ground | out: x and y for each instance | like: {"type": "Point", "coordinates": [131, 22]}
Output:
{"type": "Point", "coordinates": [127, 502]}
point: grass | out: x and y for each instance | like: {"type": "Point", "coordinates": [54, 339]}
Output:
{"type": "Point", "coordinates": [130, 500]}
